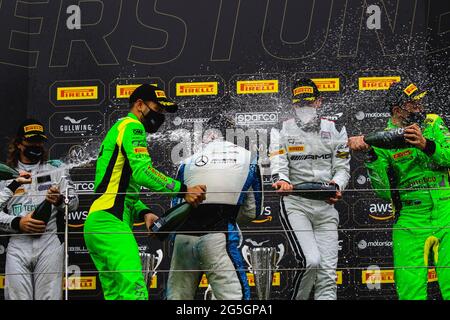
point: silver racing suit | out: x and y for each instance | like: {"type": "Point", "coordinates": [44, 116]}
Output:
{"type": "Point", "coordinates": [234, 186]}
{"type": "Point", "coordinates": [34, 263]}
{"type": "Point", "coordinates": [317, 155]}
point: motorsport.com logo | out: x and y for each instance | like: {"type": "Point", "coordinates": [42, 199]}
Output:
{"type": "Point", "coordinates": [360, 115]}
{"type": "Point", "coordinates": [363, 244]}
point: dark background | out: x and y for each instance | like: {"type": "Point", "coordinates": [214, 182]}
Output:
{"type": "Point", "coordinates": [172, 41]}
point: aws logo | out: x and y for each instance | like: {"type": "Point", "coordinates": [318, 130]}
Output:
{"type": "Point", "coordinates": [266, 215]}
{"type": "Point", "coordinates": [381, 211]}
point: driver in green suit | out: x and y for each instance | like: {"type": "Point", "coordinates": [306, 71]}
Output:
{"type": "Point", "coordinates": [416, 180]}
{"type": "Point", "coordinates": [123, 166]}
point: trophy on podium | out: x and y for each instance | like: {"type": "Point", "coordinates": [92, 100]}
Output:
{"type": "Point", "coordinates": [149, 264]}
{"type": "Point", "coordinates": [263, 261]}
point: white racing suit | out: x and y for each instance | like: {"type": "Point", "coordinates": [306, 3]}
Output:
{"type": "Point", "coordinates": [230, 175]}
{"type": "Point", "coordinates": [319, 155]}
{"type": "Point", "coordinates": [34, 263]}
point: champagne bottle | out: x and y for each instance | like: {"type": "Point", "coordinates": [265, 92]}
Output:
{"type": "Point", "coordinates": [390, 139]}
{"type": "Point", "coordinates": [315, 190]}
{"type": "Point", "coordinates": [43, 211]}
{"type": "Point", "coordinates": [7, 173]}
{"type": "Point", "coordinates": [171, 220]}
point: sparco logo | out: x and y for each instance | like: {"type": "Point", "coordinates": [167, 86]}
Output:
{"type": "Point", "coordinates": [311, 157]}
{"type": "Point", "coordinates": [360, 115]}
{"type": "Point", "coordinates": [256, 118]}
{"type": "Point", "coordinates": [363, 244]}
{"type": "Point", "coordinates": [84, 186]}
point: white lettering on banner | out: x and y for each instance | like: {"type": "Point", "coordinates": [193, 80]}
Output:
{"type": "Point", "coordinates": [380, 207]}
{"type": "Point", "coordinates": [84, 186]}
{"type": "Point", "coordinates": [256, 118]}
{"type": "Point", "coordinates": [75, 127]}
{"type": "Point", "coordinates": [78, 215]}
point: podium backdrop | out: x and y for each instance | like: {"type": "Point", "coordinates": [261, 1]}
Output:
{"type": "Point", "coordinates": [237, 57]}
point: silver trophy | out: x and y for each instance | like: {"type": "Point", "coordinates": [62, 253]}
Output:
{"type": "Point", "coordinates": [149, 264]}
{"type": "Point", "coordinates": [263, 261]}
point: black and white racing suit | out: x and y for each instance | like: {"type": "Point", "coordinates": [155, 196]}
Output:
{"type": "Point", "coordinates": [34, 263]}
{"type": "Point", "coordinates": [318, 155]}
{"type": "Point", "coordinates": [234, 186]}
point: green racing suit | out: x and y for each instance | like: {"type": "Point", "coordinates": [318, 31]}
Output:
{"type": "Point", "coordinates": [417, 183]}
{"type": "Point", "coordinates": [123, 166]}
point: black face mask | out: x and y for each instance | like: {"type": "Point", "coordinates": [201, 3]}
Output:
{"type": "Point", "coordinates": [415, 117]}
{"type": "Point", "coordinates": [153, 120]}
{"type": "Point", "coordinates": [33, 153]}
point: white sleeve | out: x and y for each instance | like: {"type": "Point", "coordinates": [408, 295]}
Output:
{"type": "Point", "coordinates": [341, 160]}
{"type": "Point", "coordinates": [279, 163]}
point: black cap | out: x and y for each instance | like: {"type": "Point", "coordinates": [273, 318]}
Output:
{"type": "Point", "coordinates": [403, 91]}
{"type": "Point", "coordinates": [304, 90]}
{"type": "Point", "coordinates": [147, 92]}
{"type": "Point", "coordinates": [32, 130]}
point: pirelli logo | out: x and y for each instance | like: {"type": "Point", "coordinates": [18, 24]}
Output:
{"type": "Point", "coordinates": [81, 283]}
{"type": "Point", "coordinates": [140, 150]}
{"type": "Point", "coordinates": [296, 149]}
{"type": "Point", "coordinates": [276, 279]}
{"type": "Point", "coordinates": [339, 277]}
{"type": "Point", "coordinates": [75, 283]}
{"type": "Point", "coordinates": [410, 89]}
{"type": "Point", "coordinates": [387, 276]}
{"type": "Point", "coordinates": [257, 86]}
{"type": "Point", "coordinates": [33, 127]}
{"type": "Point", "coordinates": [327, 84]}
{"type": "Point", "coordinates": [250, 278]}
{"type": "Point", "coordinates": [197, 88]}
{"type": "Point", "coordinates": [77, 93]}
{"type": "Point", "coordinates": [160, 94]}
{"type": "Point", "coordinates": [402, 154]}
{"type": "Point", "coordinates": [377, 83]}
{"type": "Point", "coordinates": [303, 89]}
{"type": "Point", "coordinates": [124, 91]}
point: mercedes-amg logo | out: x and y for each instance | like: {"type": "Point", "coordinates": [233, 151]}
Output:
{"type": "Point", "coordinates": [201, 161]}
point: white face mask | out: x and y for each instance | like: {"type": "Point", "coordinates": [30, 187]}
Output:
{"type": "Point", "coordinates": [306, 114]}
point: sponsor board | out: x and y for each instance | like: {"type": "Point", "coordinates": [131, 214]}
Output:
{"type": "Point", "coordinates": [77, 218]}
{"type": "Point", "coordinates": [77, 93]}
{"type": "Point", "coordinates": [257, 86]}
{"type": "Point", "coordinates": [197, 88]}
{"type": "Point", "coordinates": [180, 121]}
{"type": "Point", "coordinates": [361, 115]}
{"type": "Point", "coordinates": [81, 283]}
{"type": "Point", "coordinates": [83, 186]}
{"type": "Point", "coordinates": [256, 118]}
{"type": "Point", "coordinates": [120, 89]}
{"type": "Point", "coordinates": [376, 83]}
{"type": "Point", "coordinates": [387, 276]}
{"type": "Point", "coordinates": [276, 280]}
{"type": "Point", "coordinates": [372, 211]}
{"type": "Point", "coordinates": [184, 89]}
{"type": "Point", "coordinates": [266, 216]}
{"type": "Point", "coordinates": [124, 91]}
{"type": "Point", "coordinates": [364, 244]}
{"type": "Point", "coordinates": [76, 124]}
{"type": "Point", "coordinates": [327, 84]}
{"type": "Point", "coordinates": [339, 277]}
